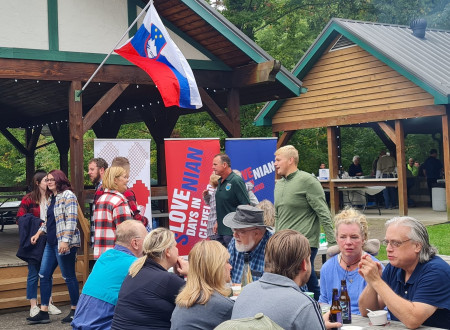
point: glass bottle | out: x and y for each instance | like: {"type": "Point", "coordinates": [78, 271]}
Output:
{"type": "Point", "coordinates": [335, 309]}
{"type": "Point", "coordinates": [344, 301]}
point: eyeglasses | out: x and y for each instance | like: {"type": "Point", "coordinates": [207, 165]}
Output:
{"type": "Point", "coordinates": [394, 244]}
{"type": "Point", "coordinates": [50, 180]}
{"type": "Point", "coordinates": [242, 231]}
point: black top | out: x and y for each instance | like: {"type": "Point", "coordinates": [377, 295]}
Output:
{"type": "Point", "coordinates": [147, 300]}
{"type": "Point", "coordinates": [353, 169]}
{"type": "Point", "coordinates": [51, 223]}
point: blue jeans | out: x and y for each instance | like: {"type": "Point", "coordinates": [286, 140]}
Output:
{"type": "Point", "coordinates": [313, 283]}
{"type": "Point", "coordinates": [66, 263]}
{"type": "Point", "coordinates": [32, 281]}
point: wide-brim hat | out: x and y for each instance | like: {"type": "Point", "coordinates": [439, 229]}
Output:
{"type": "Point", "coordinates": [246, 216]}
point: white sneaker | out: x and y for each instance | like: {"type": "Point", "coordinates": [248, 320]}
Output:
{"type": "Point", "coordinates": [53, 310]}
{"type": "Point", "coordinates": [34, 311]}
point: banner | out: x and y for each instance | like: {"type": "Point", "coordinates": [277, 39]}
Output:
{"type": "Point", "coordinates": [188, 168]}
{"type": "Point", "coordinates": [138, 153]}
{"type": "Point", "coordinates": [255, 159]}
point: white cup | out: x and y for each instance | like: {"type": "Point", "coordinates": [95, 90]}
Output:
{"type": "Point", "coordinates": [378, 317]}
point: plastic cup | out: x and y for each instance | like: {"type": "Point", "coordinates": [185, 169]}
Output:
{"type": "Point", "coordinates": [378, 317]}
{"type": "Point", "coordinates": [311, 294]}
{"type": "Point", "coordinates": [236, 290]}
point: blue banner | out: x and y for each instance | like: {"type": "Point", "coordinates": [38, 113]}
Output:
{"type": "Point", "coordinates": [254, 158]}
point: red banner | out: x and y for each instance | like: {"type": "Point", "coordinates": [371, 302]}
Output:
{"type": "Point", "coordinates": [188, 167]}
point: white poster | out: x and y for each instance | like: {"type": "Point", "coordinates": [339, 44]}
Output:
{"type": "Point", "coordinates": [138, 153]}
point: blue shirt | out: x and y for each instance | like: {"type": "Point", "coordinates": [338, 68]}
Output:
{"type": "Point", "coordinates": [428, 284]}
{"type": "Point", "coordinates": [256, 259]}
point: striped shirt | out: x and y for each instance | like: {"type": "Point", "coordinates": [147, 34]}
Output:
{"type": "Point", "coordinates": [110, 210]}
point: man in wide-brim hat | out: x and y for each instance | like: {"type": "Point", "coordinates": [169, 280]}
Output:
{"type": "Point", "coordinates": [250, 236]}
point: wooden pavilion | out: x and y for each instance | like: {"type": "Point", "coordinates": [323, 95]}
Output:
{"type": "Point", "coordinates": [50, 48]}
{"type": "Point", "coordinates": [383, 76]}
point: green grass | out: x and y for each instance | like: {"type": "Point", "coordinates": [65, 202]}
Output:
{"type": "Point", "coordinates": [439, 237]}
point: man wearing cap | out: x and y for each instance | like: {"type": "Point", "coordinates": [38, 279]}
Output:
{"type": "Point", "coordinates": [277, 294]}
{"type": "Point", "coordinates": [250, 236]}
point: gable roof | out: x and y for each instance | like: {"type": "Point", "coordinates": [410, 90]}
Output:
{"type": "Point", "coordinates": [423, 61]}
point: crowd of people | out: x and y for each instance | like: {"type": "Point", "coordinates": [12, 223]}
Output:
{"type": "Point", "coordinates": [266, 250]}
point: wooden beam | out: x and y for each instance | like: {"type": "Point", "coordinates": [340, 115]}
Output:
{"type": "Point", "coordinates": [12, 139]}
{"type": "Point", "coordinates": [233, 104]}
{"type": "Point", "coordinates": [387, 142]}
{"type": "Point", "coordinates": [446, 154]}
{"type": "Point", "coordinates": [401, 168]}
{"type": "Point", "coordinates": [60, 133]}
{"type": "Point", "coordinates": [333, 166]}
{"type": "Point", "coordinates": [284, 138]}
{"type": "Point", "coordinates": [338, 120]}
{"type": "Point", "coordinates": [34, 138]}
{"type": "Point", "coordinates": [216, 113]}
{"type": "Point", "coordinates": [31, 140]}
{"type": "Point", "coordinates": [76, 139]}
{"type": "Point", "coordinates": [390, 132]}
{"type": "Point", "coordinates": [255, 74]}
{"type": "Point", "coordinates": [102, 105]}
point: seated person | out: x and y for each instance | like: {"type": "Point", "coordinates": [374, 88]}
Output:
{"type": "Point", "coordinates": [249, 240]}
{"type": "Point", "coordinates": [147, 296]}
{"type": "Point", "coordinates": [355, 168]}
{"type": "Point", "coordinates": [277, 294]}
{"type": "Point", "coordinates": [203, 303]}
{"type": "Point", "coordinates": [351, 231]}
{"type": "Point", "coordinates": [414, 285]}
{"type": "Point", "coordinates": [98, 299]}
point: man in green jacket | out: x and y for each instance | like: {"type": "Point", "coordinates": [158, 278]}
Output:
{"type": "Point", "coordinates": [300, 205]}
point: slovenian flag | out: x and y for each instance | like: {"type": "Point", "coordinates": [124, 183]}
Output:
{"type": "Point", "coordinates": [154, 51]}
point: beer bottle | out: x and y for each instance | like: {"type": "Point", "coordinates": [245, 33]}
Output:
{"type": "Point", "coordinates": [246, 272]}
{"type": "Point", "coordinates": [344, 301]}
{"type": "Point", "coordinates": [335, 310]}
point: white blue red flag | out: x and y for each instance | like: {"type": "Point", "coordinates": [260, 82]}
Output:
{"type": "Point", "coordinates": [154, 51]}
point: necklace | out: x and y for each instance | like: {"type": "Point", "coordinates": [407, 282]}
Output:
{"type": "Point", "coordinates": [348, 267]}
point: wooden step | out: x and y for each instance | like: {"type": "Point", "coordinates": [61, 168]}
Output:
{"type": "Point", "coordinates": [22, 301]}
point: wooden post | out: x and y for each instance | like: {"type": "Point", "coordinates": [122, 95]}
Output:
{"type": "Point", "coordinates": [29, 158]}
{"type": "Point", "coordinates": [76, 139]}
{"type": "Point", "coordinates": [233, 104]}
{"type": "Point", "coordinates": [401, 168]}
{"type": "Point", "coordinates": [333, 166]}
{"type": "Point", "coordinates": [446, 154]}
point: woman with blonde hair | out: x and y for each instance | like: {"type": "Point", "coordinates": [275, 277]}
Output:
{"type": "Point", "coordinates": [203, 303]}
{"type": "Point", "coordinates": [111, 209]}
{"type": "Point", "coordinates": [147, 296]}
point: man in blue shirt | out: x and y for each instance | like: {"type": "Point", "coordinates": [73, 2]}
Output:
{"type": "Point", "coordinates": [250, 236]}
{"type": "Point", "coordinates": [95, 309]}
{"type": "Point", "coordinates": [414, 285]}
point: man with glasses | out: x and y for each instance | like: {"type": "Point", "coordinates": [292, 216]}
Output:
{"type": "Point", "coordinates": [247, 246]}
{"type": "Point", "coordinates": [95, 308]}
{"type": "Point", "coordinates": [415, 284]}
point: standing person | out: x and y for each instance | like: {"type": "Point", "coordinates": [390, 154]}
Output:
{"type": "Point", "coordinates": [98, 299]}
{"type": "Point", "coordinates": [432, 169]}
{"type": "Point", "coordinates": [414, 285]}
{"type": "Point", "coordinates": [300, 205]}
{"type": "Point", "coordinates": [203, 303]}
{"type": "Point", "coordinates": [35, 205]}
{"type": "Point", "coordinates": [387, 168]}
{"type": "Point", "coordinates": [351, 230]}
{"type": "Point", "coordinates": [63, 241]}
{"type": "Point", "coordinates": [147, 296]}
{"type": "Point", "coordinates": [96, 169]}
{"type": "Point", "coordinates": [209, 196]}
{"type": "Point", "coordinates": [111, 209]}
{"type": "Point", "coordinates": [413, 167]}
{"type": "Point", "coordinates": [230, 193]}
{"type": "Point", "coordinates": [249, 186]}
{"type": "Point", "coordinates": [355, 168]}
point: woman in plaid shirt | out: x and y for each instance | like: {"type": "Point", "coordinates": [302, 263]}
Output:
{"type": "Point", "coordinates": [63, 241]}
{"type": "Point", "coordinates": [110, 209]}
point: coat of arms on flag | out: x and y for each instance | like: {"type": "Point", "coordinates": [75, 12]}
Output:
{"type": "Point", "coordinates": [154, 51]}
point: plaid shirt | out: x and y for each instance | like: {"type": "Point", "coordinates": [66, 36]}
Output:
{"type": "Point", "coordinates": [111, 209]}
{"type": "Point", "coordinates": [131, 198]}
{"type": "Point", "coordinates": [66, 218]}
{"type": "Point", "coordinates": [210, 200]}
{"type": "Point", "coordinates": [256, 259]}
{"type": "Point", "coordinates": [28, 206]}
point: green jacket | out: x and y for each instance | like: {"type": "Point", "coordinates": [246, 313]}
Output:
{"type": "Point", "coordinates": [300, 205]}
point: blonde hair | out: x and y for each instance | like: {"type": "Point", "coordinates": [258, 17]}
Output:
{"type": "Point", "coordinates": [207, 261]}
{"type": "Point", "coordinates": [269, 212]}
{"type": "Point", "coordinates": [288, 151]}
{"type": "Point", "coordinates": [155, 244]}
{"type": "Point", "coordinates": [214, 180]}
{"type": "Point", "coordinates": [348, 216]}
{"type": "Point", "coordinates": [110, 174]}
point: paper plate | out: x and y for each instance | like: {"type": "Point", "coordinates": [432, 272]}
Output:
{"type": "Point", "coordinates": [352, 327]}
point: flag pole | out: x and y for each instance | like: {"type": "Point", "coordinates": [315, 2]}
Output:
{"type": "Point", "coordinates": [107, 56]}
